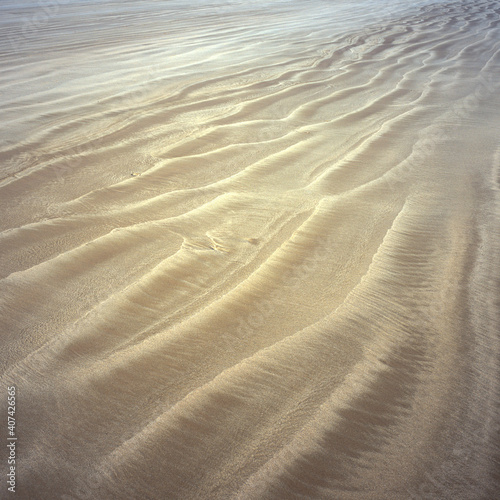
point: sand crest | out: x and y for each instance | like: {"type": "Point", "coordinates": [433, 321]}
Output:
{"type": "Point", "coordinates": [249, 250]}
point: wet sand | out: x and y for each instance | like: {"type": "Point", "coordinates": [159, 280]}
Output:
{"type": "Point", "coordinates": [251, 250]}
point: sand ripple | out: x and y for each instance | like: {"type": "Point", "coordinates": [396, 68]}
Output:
{"type": "Point", "coordinates": [250, 250]}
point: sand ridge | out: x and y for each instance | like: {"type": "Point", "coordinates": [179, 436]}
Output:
{"type": "Point", "coordinates": [249, 250]}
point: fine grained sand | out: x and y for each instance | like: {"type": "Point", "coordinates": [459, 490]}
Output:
{"type": "Point", "coordinates": [250, 250]}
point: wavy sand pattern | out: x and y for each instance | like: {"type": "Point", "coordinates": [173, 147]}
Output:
{"type": "Point", "coordinates": [250, 249]}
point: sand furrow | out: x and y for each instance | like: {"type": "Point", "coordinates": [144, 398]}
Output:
{"type": "Point", "coordinates": [249, 249]}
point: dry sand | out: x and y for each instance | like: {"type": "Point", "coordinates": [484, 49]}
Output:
{"type": "Point", "coordinates": [250, 250]}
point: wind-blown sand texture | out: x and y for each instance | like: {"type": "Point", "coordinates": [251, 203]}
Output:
{"type": "Point", "coordinates": [250, 250]}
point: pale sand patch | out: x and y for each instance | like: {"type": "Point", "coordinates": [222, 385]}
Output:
{"type": "Point", "coordinates": [250, 250]}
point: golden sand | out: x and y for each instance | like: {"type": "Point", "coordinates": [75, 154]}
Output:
{"type": "Point", "coordinates": [251, 250]}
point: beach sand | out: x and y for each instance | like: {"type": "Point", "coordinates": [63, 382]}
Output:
{"type": "Point", "coordinates": [250, 250]}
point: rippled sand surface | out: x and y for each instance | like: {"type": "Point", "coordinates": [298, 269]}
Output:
{"type": "Point", "coordinates": [250, 250]}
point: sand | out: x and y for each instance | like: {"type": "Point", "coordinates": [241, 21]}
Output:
{"type": "Point", "coordinates": [250, 250]}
